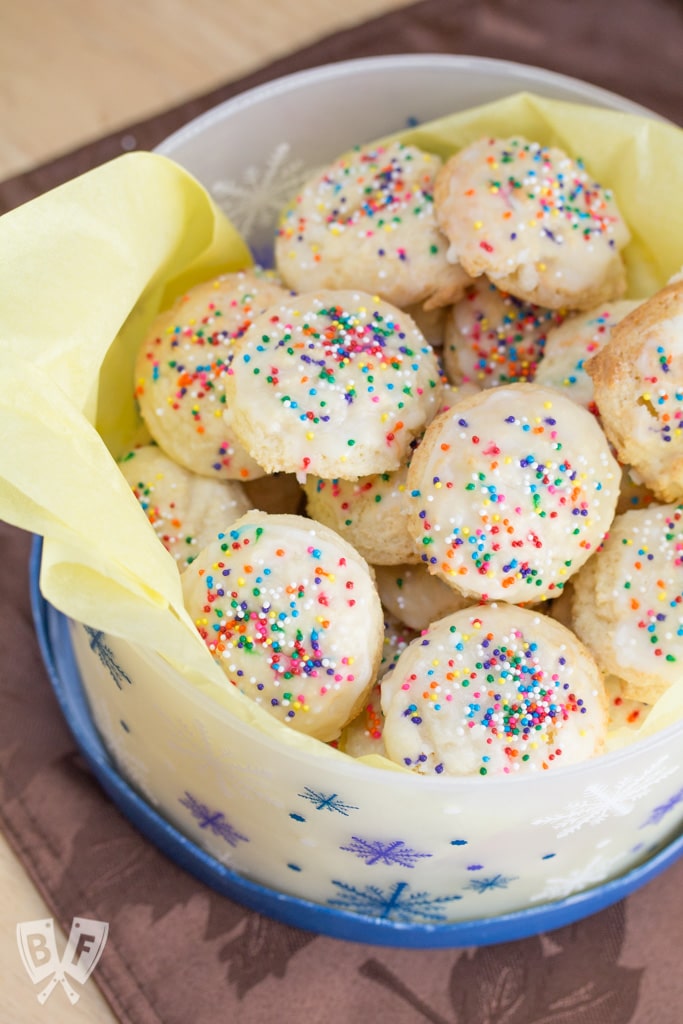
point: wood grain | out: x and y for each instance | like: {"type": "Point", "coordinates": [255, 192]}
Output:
{"type": "Point", "coordinates": [74, 70]}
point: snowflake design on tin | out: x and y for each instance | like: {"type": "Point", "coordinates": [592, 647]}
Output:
{"type": "Point", "coordinates": [106, 656]}
{"type": "Point", "coordinates": [577, 880]}
{"type": "Point", "coordinates": [663, 809]}
{"type": "Point", "coordinates": [482, 885]}
{"type": "Point", "coordinates": [214, 821]}
{"type": "Point", "coordinates": [602, 801]}
{"type": "Point", "coordinates": [328, 802]}
{"type": "Point", "coordinates": [258, 198]}
{"type": "Point", "coordinates": [375, 851]}
{"type": "Point", "coordinates": [397, 903]}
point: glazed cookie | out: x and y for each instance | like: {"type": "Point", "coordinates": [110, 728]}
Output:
{"type": "Point", "coordinates": [186, 510]}
{"type": "Point", "coordinates": [181, 367]}
{"type": "Point", "coordinates": [367, 221]}
{"type": "Point", "coordinates": [638, 383]}
{"type": "Point", "coordinates": [371, 513]}
{"type": "Point", "coordinates": [533, 221]}
{"type": "Point", "coordinates": [290, 612]}
{"type": "Point", "coordinates": [492, 337]}
{"type": "Point", "coordinates": [363, 735]}
{"type": "Point", "coordinates": [333, 383]}
{"type": "Point", "coordinates": [494, 690]}
{"type": "Point", "coordinates": [511, 491]}
{"type": "Point", "coordinates": [627, 602]}
{"type": "Point", "coordinates": [623, 712]}
{"type": "Point", "coordinates": [414, 596]}
{"type": "Point", "coordinates": [569, 346]}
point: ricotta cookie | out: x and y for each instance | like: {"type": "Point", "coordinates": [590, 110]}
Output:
{"type": "Point", "coordinates": [363, 735]}
{"type": "Point", "coordinates": [623, 712]}
{"type": "Point", "coordinates": [290, 612]}
{"type": "Point", "coordinates": [492, 337]}
{"type": "Point", "coordinates": [534, 221]}
{"type": "Point", "coordinates": [627, 602]}
{"type": "Point", "coordinates": [367, 221]}
{"type": "Point", "coordinates": [492, 691]}
{"type": "Point", "coordinates": [336, 384]}
{"type": "Point", "coordinates": [181, 367]}
{"type": "Point", "coordinates": [371, 513]}
{"type": "Point", "coordinates": [569, 346]}
{"type": "Point", "coordinates": [414, 596]}
{"type": "Point", "coordinates": [511, 491]}
{"type": "Point", "coordinates": [186, 510]}
{"type": "Point", "coordinates": [638, 383]}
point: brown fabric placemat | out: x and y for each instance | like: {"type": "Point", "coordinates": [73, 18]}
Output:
{"type": "Point", "coordinates": [178, 952]}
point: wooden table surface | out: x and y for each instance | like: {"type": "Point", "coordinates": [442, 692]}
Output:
{"type": "Point", "coordinates": [69, 73]}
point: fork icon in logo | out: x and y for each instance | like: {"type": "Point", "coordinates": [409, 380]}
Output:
{"type": "Point", "coordinates": [38, 950]}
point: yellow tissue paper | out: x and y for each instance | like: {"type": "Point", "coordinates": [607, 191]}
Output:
{"type": "Point", "coordinates": [85, 268]}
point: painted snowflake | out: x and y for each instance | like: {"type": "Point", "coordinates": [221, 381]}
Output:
{"type": "Point", "coordinates": [577, 880]}
{"type": "Point", "coordinates": [214, 821]}
{"type": "Point", "coordinates": [397, 903]}
{"type": "Point", "coordinates": [257, 199]}
{"type": "Point", "coordinates": [106, 656]}
{"type": "Point", "coordinates": [375, 851]}
{"type": "Point", "coordinates": [327, 802]}
{"type": "Point", "coordinates": [482, 885]}
{"type": "Point", "coordinates": [663, 809]}
{"type": "Point", "coordinates": [602, 801]}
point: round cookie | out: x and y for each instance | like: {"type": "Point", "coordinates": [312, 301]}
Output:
{"type": "Point", "coordinates": [186, 510]}
{"type": "Point", "coordinates": [363, 735]}
{"type": "Point", "coordinates": [181, 369]}
{"type": "Point", "coordinates": [511, 491]}
{"type": "Point", "coordinates": [414, 596]}
{"type": "Point", "coordinates": [336, 384]}
{"type": "Point", "coordinates": [492, 337]}
{"type": "Point", "coordinates": [371, 513]}
{"type": "Point", "coordinates": [638, 384]}
{"type": "Point", "coordinates": [570, 345]}
{"type": "Point", "coordinates": [623, 712]}
{"type": "Point", "coordinates": [367, 221]}
{"type": "Point", "coordinates": [534, 221]}
{"type": "Point", "coordinates": [491, 691]}
{"type": "Point", "coordinates": [627, 604]}
{"type": "Point", "coordinates": [290, 612]}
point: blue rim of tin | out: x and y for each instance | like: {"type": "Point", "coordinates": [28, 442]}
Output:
{"type": "Point", "coordinates": [54, 639]}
